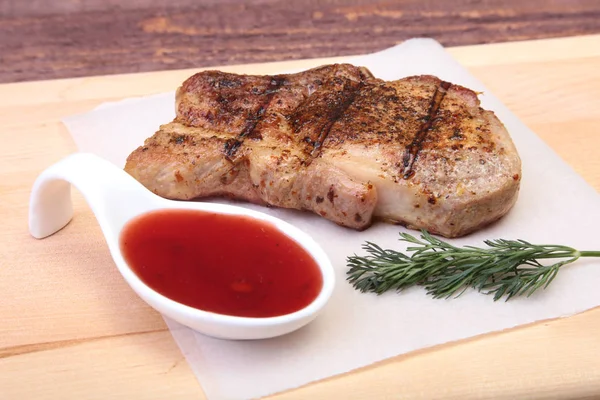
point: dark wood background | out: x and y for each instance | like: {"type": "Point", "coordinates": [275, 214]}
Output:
{"type": "Point", "coordinates": [45, 39]}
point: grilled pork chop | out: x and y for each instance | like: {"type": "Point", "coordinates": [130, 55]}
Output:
{"type": "Point", "coordinates": [337, 141]}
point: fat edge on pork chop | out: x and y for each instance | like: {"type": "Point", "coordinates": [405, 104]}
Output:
{"type": "Point", "coordinates": [336, 141]}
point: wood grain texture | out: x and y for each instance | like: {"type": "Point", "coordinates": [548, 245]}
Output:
{"type": "Point", "coordinates": [58, 39]}
{"type": "Point", "coordinates": [72, 328]}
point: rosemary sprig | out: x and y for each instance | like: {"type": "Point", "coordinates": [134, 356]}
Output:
{"type": "Point", "coordinates": [506, 268]}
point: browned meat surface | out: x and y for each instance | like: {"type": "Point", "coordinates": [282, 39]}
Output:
{"type": "Point", "coordinates": [338, 142]}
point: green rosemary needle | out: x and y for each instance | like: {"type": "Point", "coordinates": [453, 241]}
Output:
{"type": "Point", "coordinates": [506, 268]}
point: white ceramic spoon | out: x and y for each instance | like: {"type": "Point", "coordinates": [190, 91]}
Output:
{"type": "Point", "coordinates": [115, 198]}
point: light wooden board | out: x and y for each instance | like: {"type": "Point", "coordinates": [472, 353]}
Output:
{"type": "Point", "coordinates": [71, 328]}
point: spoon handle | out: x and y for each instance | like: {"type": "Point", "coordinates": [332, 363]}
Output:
{"type": "Point", "coordinates": [113, 195]}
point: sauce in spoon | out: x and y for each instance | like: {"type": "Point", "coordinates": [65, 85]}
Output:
{"type": "Point", "coordinates": [227, 264]}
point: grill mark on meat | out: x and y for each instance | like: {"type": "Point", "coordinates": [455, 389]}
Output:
{"type": "Point", "coordinates": [412, 150]}
{"type": "Point", "coordinates": [232, 145]}
{"type": "Point", "coordinates": [348, 97]}
{"type": "Point", "coordinates": [313, 120]}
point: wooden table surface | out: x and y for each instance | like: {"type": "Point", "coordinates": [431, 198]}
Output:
{"type": "Point", "coordinates": [72, 328]}
{"type": "Point", "coordinates": [42, 39]}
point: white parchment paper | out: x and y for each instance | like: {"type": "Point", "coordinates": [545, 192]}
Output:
{"type": "Point", "coordinates": [555, 206]}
